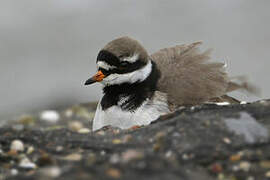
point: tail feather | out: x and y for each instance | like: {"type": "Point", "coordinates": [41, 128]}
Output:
{"type": "Point", "coordinates": [243, 85]}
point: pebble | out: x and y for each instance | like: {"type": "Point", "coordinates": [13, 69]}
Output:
{"type": "Point", "coordinates": [160, 135]}
{"type": "Point", "coordinates": [102, 153]}
{"type": "Point", "coordinates": [235, 168]}
{"type": "Point", "coordinates": [114, 173]}
{"type": "Point", "coordinates": [26, 163]}
{"type": "Point", "coordinates": [75, 126]}
{"type": "Point", "coordinates": [168, 154]}
{"type": "Point", "coordinates": [17, 145]}
{"type": "Point", "coordinates": [265, 164]}
{"type": "Point", "coordinates": [12, 152]}
{"type": "Point", "coordinates": [30, 150]}
{"type": "Point", "coordinates": [227, 140]}
{"type": "Point", "coordinates": [101, 133]}
{"type": "Point", "coordinates": [84, 131]}
{"type": "Point", "coordinates": [221, 176]}
{"type": "Point", "coordinates": [91, 159]}
{"type": "Point", "coordinates": [115, 158]}
{"type": "Point", "coordinates": [157, 147]}
{"type": "Point", "coordinates": [216, 168]}
{"type": "Point", "coordinates": [14, 172]}
{"type": "Point", "coordinates": [244, 165]}
{"type": "Point", "coordinates": [50, 116]}
{"type": "Point", "coordinates": [131, 155]}
{"type": "Point", "coordinates": [52, 171]}
{"type": "Point", "coordinates": [68, 113]}
{"type": "Point", "coordinates": [222, 103]}
{"type": "Point", "coordinates": [250, 178]}
{"type": "Point", "coordinates": [116, 141]}
{"type": "Point", "coordinates": [267, 174]}
{"type": "Point", "coordinates": [82, 112]}
{"type": "Point", "coordinates": [235, 157]}
{"type": "Point", "coordinates": [185, 157]}
{"type": "Point", "coordinates": [59, 148]}
{"type": "Point", "coordinates": [127, 138]}
{"type": "Point", "coordinates": [45, 160]}
{"type": "Point", "coordinates": [73, 157]}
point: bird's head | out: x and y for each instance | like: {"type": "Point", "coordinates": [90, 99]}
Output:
{"type": "Point", "coordinates": [123, 60]}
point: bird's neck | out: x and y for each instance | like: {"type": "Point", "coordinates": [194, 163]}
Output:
{"type": "Point", "coordinates": [129, 96]}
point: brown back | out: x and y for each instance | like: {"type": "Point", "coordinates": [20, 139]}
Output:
{"type": "Point", "coordinates": [188, 77]}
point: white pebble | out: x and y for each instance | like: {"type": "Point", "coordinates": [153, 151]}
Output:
{"type": "Point", "coordinates": [17, 145]}
{"type": "Point", "coordinates": [223, 103]}
{"type": "Point", "coordinates": [14, 172]}
{"type": "Point", "coordinates": [168, 154]}
{"type": "Point", "coordinates": [52, 172]}
{"type": "Point", "coordinates": [50, 116]}
{"type": "Point", "coordinates": [75, 125]}
{"type": "Point", "coordinates": [30, 150]}
{"type": "Point", "coordinates": [84, 131]}
{"type": "Point", "coordinates": [102, 153]}
{"type": "Point", "coordinates": [185, 157]}
{"type": "Point", "coordinates": [26, 163]}
{"type": "Point", "coordinates": [235, 168]}
{"type": "Point", "coordinates": [68, 113]}
{"type": "Point", "coordinates": [115, 158]}
{"type": "Point", "coordinates": [244, 165]}
{"type": "Point", "coordinates": [227, 140]}
{"type": "Point", "coordinates": [250, 178]}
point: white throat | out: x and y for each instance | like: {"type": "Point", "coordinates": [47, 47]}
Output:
{"type": "Point", "coordinates": [132, 77]}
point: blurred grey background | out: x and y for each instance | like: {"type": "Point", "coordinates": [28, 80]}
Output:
{"type": "Point", "coordinates": [48, 48]}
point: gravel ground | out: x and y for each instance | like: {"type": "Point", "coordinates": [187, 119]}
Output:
{"type": "Point", "coordinates": [202, 142]}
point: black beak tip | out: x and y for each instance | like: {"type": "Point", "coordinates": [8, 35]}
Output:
{"type": "Point", "coordinates": [89, 81]}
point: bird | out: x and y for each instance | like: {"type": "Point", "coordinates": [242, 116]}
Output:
{"type": "Point", "coordinates": [138, 88]}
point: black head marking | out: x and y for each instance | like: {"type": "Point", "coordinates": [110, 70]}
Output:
{"type": "Point", "coordinates": [108, 57]}
{"type": "Point", "coordinates": [122, 67]}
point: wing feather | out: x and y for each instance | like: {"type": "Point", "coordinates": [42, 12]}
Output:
{"type": "Point", "coordinates": [187, 76]}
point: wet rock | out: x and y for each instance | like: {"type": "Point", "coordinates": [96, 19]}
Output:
{"type": "Point", "coordinates": [248, 127]}
{"type": "Point", "coordinates": [203, 142]}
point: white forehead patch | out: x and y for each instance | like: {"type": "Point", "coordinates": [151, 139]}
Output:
{"type": "Point", "coordinates": [104, 65]}
{"type": "Point", "coordinates": [131, 59]}
{"type": "Point", "coordinates": [132, 77]}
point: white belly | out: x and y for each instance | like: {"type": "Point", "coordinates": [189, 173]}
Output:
{"type": "Point", "coordinates": [149, 111]}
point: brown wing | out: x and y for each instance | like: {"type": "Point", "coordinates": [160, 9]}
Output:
{"type": "Point", "coordinates": [188, 77]}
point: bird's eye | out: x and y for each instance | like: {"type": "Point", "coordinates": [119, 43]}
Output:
{"type": "Point", "coordinates": [104, 71]}
{"type": "Point", "coordinates": [124, 63]}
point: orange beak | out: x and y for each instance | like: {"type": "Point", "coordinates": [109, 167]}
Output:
{"type": "Point", "coordinates": [96, 78]}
